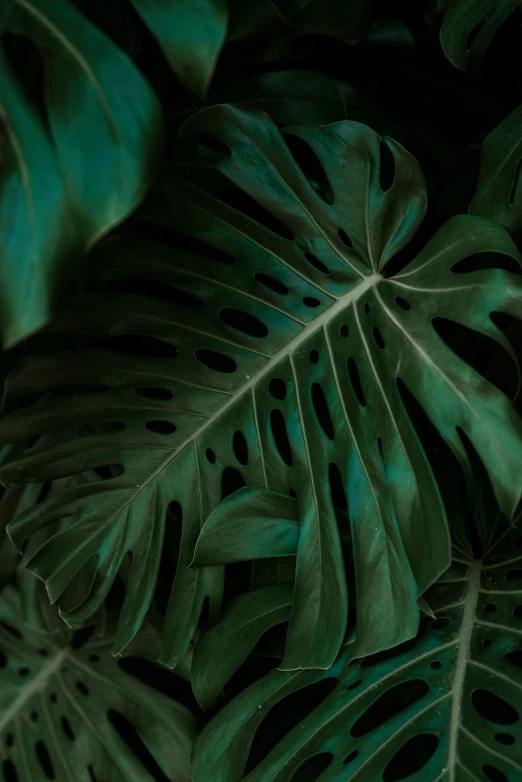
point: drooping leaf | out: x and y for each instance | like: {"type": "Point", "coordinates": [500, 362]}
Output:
{"type": "Point", "coordinates": [443, 707]}
{"type": "Point", "coordinates": [73, 713]}
{"type": "Point", "coordinates": [61, 191]}
{"type": "Point", "coordinates": [191, 34]}
{"type": "Point", "coordinates": [468, 28]}
{"type": "Point", "coordinates": [273, 353]}
{"type": "Point", "coordinates": [221, 651]}
{"type": "Point", "coordinates": [499, 194]}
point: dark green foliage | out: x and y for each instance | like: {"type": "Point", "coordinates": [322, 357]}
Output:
{"type": "Point", "coordinates": [261, 290]}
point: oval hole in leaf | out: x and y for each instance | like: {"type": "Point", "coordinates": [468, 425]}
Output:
{"type": "Point", "coordinates": [336, 487]}
{"type": "Point", "coordinates": [402, 303]}
{"type": "Point", "coordinates": [480, 261]}
{"type": "Point", "coordinates": [9, 771]}
{"type": "Point", "coordinates": [493, 708]}
{"type": "Point", "coordinates": [475, 30]}
{"type": "Point", "coordinates": [108, 471]}
{"type": "Point", "coordinates": [284, 716]}
{"type": "Point", "coordinates": [311, 166]}
{"type": "Point", "coordinates": [219, 362]}
{"type": "Point", "coordinates": [271, 283]}
{"type": "Point", "coordinates": [349, 758]}
{"type": "Point", "coordinates": [44, 759]}
{"type": "Point", "coordinates": [239, 444]}
{"type": "Point", "coordinates": [151, 392]}
{"type": "Point", "coordinates": [316, 263]}
{"type": "Point", "coordinates": [517, 612]}
{"type": "Point", "coordinates": [388, 705]}
{"type": "Point", "coordinates": [311, 301]}
{"type": "Point", "coordinates": [345, 239]}
{"type": "Point", "coordinates": [278, 425]}
{"type": "Point", "coordinates": [133, 740]}
{"type": "Point", "coordinates": [312, 767]}
{"type": "Point", "coordinates": [244, 322]}
{"type": "Point", "coordinates": [505, 738]}
{"type": "Point", "coordinates": [515, 657]}
{"type": "Point", "coordinates": [3, 659]}
{"type": "Point", "coordinates": [411, 757]}
{"type": "Point", "coordinates": [355, 380]}
{"type": "Point", "coordinates": [277, 388]}
{"type": "Point", "coordinates": [161, 427]}
{"type": "Point", "coordinates": [66, 727]}
{"type": "Point", "coordinates": [494, 774]}
{"type": "Point", "coordinates": [321, 410]}
{"type": "Point", "coordinates": [231, 481]}
{"type": "Point", "coordinates": [378, 337]}
{"type": "Point", "coordinates": [387, 166]}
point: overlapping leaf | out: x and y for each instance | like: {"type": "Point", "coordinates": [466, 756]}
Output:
{"type": "Point", "coordinates": [60, 190]}
{"type": "Point", "coordinates": [443, 707]}
{"type": "Point", "coordinates": [73, 713]}
{"type": "Point", "coordinates": [277, 360]}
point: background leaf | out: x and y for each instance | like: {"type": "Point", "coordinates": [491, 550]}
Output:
{"type": "Point", "coordinates": [69, 710]}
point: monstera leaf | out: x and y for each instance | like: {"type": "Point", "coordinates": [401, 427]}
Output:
{"type": "Point", "coordinates": [63, 188]}
{"type": "Point", "coordinates": [70, 711]}
{"type": "Point", "coordinates": [468, 28]}
{"type": "Point", "coordinates": [499, 195]}
{"type": "Point", "coordinates": [443, 707]}
{"type": "Point", "coordinates": [275, 351]}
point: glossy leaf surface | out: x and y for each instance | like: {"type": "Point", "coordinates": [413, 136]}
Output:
{"type": "Point", "coordinates": [272, 356]}
{"type": "Point", "coordinates": [442, 708]}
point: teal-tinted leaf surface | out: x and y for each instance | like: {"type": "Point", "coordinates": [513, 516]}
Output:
{"type": "Point", "coordinates": [65, 711]}
{"type": "Point", "coordinates": [61, 191]}
{"type": "Point", "coordinates": [499, 194]}
{"type": "Point", "coordinates": [191, 34]}
{"type": "Point", "coordinates": [443, 708]}
{"type": "Point", "coordinates": [468, 28]}
{"type": "Point", "coordinates": [272, 355]}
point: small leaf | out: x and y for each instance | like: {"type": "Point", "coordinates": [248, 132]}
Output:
{"type": "Point", "coordinates": [250, 524]}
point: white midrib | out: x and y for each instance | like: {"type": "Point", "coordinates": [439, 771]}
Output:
{"type": "Point", "coordinates": [318, 323]}
{"type": "Point", "coordinates": [33, 686]}
{"type": "Point", "coordinates": [470, 602]}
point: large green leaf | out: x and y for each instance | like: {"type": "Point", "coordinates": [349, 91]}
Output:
{"type": "Point", "coordinates": [444, 707]}
{"type": "Point", "coordinates": [191, 34]}
{"type": "Point", "coordinates": [73, 713]}
{"type": "Point", "coordinates": [499, 195]}
{"type": "Point", "coordinates": [468, 28]}
{"type": "Point", "coordinates": [61, 190]}
{"type": "Point", "coordinates": [292, 349]}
